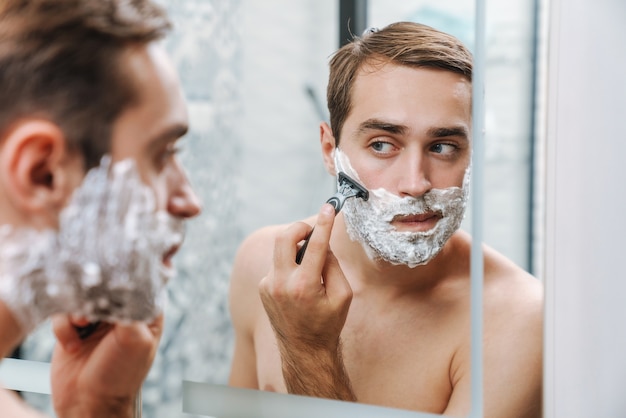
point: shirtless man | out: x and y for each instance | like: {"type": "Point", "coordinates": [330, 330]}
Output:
{"type": "Point", "coordinates": [378, 310]}
{"type": "Point", "coordinates": [81, 79]}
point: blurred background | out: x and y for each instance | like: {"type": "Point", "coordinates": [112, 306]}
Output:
{"type": "Point", "coordinates": [255, 74]}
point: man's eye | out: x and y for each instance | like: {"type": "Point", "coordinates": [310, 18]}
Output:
{"type": "Point", "coordinates": [170, 151]}
{"type": "Point", "coordinates": [167, 153]}
{"type": "Point", "coordinates": [444, 149]}
{"type": "Point", "coordinates": [382, 147]}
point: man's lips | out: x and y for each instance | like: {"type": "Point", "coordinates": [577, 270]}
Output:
{"type": "Point", "coordinates": [167, 257]}
{"type": "Point", "coordinates": [416, 222]}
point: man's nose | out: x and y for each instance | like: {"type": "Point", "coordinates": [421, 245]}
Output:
{"type": "Point", "coordinates": [184, 203]}
{"type": "Point", "coordinates": [413, 176]}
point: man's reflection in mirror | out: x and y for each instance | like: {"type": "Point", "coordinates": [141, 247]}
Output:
{"type": "Point", "coordinates": [378, 309]}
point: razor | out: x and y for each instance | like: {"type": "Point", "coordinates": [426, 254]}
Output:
{"type": "Point", "coordinates": [348, 187]}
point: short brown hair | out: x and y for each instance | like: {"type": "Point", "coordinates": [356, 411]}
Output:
{"type": "Point", "coordinates": [59, 60]}
{"type": "Point", "coordinates": [404, 43]}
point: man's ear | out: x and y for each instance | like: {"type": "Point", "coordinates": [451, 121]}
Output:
{"type": "Point", "coordinates": [33, 168]}
{"type": "Point", "coordinates": [327, 141]}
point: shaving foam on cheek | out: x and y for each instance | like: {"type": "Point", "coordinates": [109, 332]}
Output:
{"type": "Point", "coordinates": [369, 223]}
{"type": "Point", "coordinates": [105, 262]}
{"type": "Point", "coordinates": [24, 285]}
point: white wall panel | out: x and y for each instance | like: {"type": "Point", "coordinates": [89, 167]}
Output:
{"type": "Point", "coordinates": [585, 356]}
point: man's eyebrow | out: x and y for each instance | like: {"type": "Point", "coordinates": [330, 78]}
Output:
{"type": "Point", "coordinates": [171, 134]}
{"type": "Point", "coordinates": [443, 132]}
{"type": "Point", "coordinates": [380, 125]}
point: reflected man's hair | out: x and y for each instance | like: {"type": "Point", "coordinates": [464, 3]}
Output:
{"type": "Point", "coordinates": [403, 43]}
{"type": "Point", "coordinates": [59, 60]}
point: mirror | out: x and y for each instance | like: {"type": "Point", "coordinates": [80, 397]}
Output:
{"type": "Point", "coordinates": [255, 79]}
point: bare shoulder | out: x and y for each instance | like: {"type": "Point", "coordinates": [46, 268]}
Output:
{"type": "Point", "coordinates": [513, 303]}
{"type": "Point", "coordinates": [509, 288]}
{"type": "Point", "coordinates": [253, 259]}
{"type": "Point", "coordinates": [254, 256]}
{"type": "Point", "coordinates": [252, 262]}
{"type": "Point", "coordinates": [513, 338]}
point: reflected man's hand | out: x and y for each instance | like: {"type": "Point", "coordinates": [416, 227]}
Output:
{"type": "Point", "coordinates": [307, 305]}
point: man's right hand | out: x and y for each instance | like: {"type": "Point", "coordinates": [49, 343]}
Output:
{"type": "Point", "coordinates": [307, 305]}
{"type": "Point", "coordinates": [101, 375]}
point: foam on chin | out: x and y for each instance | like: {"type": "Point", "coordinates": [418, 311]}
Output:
{"type": "Point", "coordinates": [369, 223]}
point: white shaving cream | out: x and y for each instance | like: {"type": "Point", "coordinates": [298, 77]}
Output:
{"type": "Point", "coordinates": [104, 263]}
{"type": "Point", "coordinates": [369, 222]}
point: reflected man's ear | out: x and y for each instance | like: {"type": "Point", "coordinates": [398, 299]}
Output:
{"type": "Point", "coordinates": [327, 141]}
{"type": "Point", "coordinates": [37, 173]}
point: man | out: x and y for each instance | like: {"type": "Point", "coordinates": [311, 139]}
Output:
{"type": "Point", "coordinates": [83, 79]}
{"type": "Point", "coordinates": [378, 310]}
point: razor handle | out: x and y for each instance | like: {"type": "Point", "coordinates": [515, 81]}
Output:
{"type": "Point", "coordinates": [337, 202]}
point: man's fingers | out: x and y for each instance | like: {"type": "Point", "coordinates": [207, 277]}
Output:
{"type": "Point", "coordinates": [315, 256]}
{"type": "Point", "coordinates": [72, 332]}
{"type": "Point", "coordinates": [337, 287]}
{"type": "Point", "coordinates": [286, 277]}
{"type": "Point", "coordinates": [79, 321]}
{"type": "Point", "coordinates": [137, 336]}
{"type": "Point", "coordinates": [65, 332]}
{"type": "Point", "coordinates": [286, 244]}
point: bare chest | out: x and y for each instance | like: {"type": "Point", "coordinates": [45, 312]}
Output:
{"type": "Point", "coordinates": [403, 362]}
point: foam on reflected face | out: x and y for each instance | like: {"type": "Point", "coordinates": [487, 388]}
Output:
{"type": "Point", "coordinates": [104, 263]}
{"type": "Point", "coordinates": [369, 222]}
